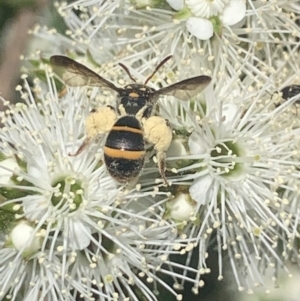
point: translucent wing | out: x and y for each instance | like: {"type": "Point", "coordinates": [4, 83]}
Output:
{"type": "Point", "coordinates": [185, 89]}
{"type": "Point", "coordinates": [75, 74]}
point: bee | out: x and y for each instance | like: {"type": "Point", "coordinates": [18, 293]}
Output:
{"type": "Point", "coordinates": [131, 123]}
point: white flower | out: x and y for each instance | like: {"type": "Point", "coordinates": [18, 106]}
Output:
{"type": "Point", "coordinates": [242, 153]}
{"type": "Point", "coordinates": [76, 214]}
{"type": "Point", "coordinates": [17, 274]}
{"type": "Point", "coordinates": [143, 37]}
{"type": "Point", "coordinates": [233, 152]}
{"type": "Point", "coordinates": [230, 12]}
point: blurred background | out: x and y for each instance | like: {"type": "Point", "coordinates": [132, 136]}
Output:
{"type": "Point", "coordinates": [16, 18]}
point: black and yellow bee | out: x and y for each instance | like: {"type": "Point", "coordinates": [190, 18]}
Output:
{"type": "Point", "coordinates": [131, 123]}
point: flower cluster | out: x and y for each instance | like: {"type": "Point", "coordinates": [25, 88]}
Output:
{"type": "Point", "coordinates": [63, 218]}
{"type": "Point", "coordinates": [70, 231]}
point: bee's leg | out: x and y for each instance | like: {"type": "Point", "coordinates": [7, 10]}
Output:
{"type": "Point", "coordinates": [85, 143]}
{"type": "Point", "coordinates": [98, 122]}
{"type": "Point", "coordinates": [158, 131]}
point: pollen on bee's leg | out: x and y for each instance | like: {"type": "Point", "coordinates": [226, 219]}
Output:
{"type": "Point", "coordinates": [85, 143]}
{"type": "Point", "coordinates": [158, 131]}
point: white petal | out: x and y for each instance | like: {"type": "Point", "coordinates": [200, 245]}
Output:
{"type": "Point", "coordinates": [79, 235]}
{"type": "Point", "coordinates": [22, 237]}
{"type": "Point", "coordinates": [194, 143]}
{"type": "Point", "coordinates": [176, 4]}
{"type": "Point", "coordinates": [234, 12]}
{"type": "Point", "coordinates": [229, 112]}
{"type": "Point", "coordinates": [37, 168]}
{"type": "Point", "coordinates": [35, 207]}
{"type": "Point", "coordinates": [9, 165]}
{"type": "Point", "coordinates": [200, 28]}
{"type": "Point", "coordinates": [201, 191]}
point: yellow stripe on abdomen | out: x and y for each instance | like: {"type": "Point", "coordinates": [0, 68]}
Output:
{"type": "Point", "coordinates": [125, 154]}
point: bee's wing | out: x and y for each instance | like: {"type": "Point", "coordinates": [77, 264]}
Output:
{"type": "Point", "coordinates": [185, 89]}
{"type": "Point", "coordinates": [75, 74]}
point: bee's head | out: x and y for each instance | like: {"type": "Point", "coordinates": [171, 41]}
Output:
{"type": "Point", "coordinates": [134, 97]}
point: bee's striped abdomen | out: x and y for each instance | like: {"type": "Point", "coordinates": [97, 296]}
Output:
{"type": "Point", "coordinates": [124, 150]}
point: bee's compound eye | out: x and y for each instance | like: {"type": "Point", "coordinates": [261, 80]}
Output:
{"type": "Point", "coordinates": [93, 111]}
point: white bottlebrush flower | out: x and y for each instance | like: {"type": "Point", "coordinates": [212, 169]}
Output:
{"type": "Point", "coordinates": [26, 279]}
{"type": "Point", "coordinates": [110, 32]}
{"type": "Point", "coordinates": [243, 153]}
{"type": "Point", "coordinates": [237, 152]}
{"type": "Point", "coordinates": [63, 218]}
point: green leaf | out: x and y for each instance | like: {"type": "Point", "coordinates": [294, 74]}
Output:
{"type": "Point", "coordinates": [7, 218]}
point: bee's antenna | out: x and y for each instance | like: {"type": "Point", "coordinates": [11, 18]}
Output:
{"type": "Point", "coordinates": [127, 71]}
{"type": "Point", "coordinates": [157, 68]}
